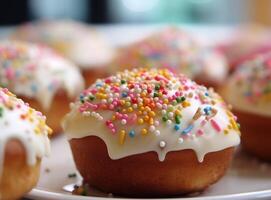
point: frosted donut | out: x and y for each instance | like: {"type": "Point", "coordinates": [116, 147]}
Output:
{"type": "Point", "coordinates": [177, 51]}
{"type": "Point", "coordinates": [149, 132]}
{"type": "Point", "coordinates": [83, 45]}
{"type": "Point", "coordinates": [39, 76]}
{"type": "Point", "coordinates": [23, 143]}
{"type": "Point", "coordinates": [246, 41]}
{"type": "Point", "coordinates": [249, 91]}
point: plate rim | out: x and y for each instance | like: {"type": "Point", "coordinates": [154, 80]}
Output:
{"type": "Point", "coordinates": [44, 194]}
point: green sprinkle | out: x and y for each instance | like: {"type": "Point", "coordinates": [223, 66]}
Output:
{"type": "Point", "coordinates": [1, 111]}
{"type": "Point", "coordinates": [157, 87]}
{"type": "Point", "coordinates": [164, 118]}
{"type": "Point", "coordinates": [180, 99]}
{"type": "Point", "coordinates": [122, 81]}
{"type": "Point", "coordinates": [155, 95]}
{"type": "Point", "coordinates": [177, 119]}
{"type": "Point", "coordinates": [91, 98]}
{"type": "Point", "coordinates": [72, 175]}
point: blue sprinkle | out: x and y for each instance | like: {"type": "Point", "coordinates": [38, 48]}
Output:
{"type": "Point", "coordinates": [206, 94]}
{"type": "Point", "coordinates": [207, 110]}
{"type": "Point", "coordinates": [188, 129]}
{"type": "Point", "coordinates": [99, 85]}
{"type": "Point", "coordinates": [132, 134]}
{"type": "Point", "coordinates": [124, 94]}
{"type": "Point", "coordinates": [176, 127]}
{"type": "Point", "coordinates": [34, 88]}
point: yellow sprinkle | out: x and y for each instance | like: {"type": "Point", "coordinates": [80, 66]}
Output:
{"type": "Point", "coordinates": [142, 108]}
{"type": "Point", "coordinates": [166, 101]}
{"type": "Point", "coordinates": [140, 121]}
{"type": "Point", "coordinates": [229, 126]}
{"type": "Point", "coordinates": [50, 131]}
{"type": "Point", "coordinates": [186, 104]}
{"type": "Point", "coordinates": [177, 112]}
{"type": "Point", "coordinates": [226, 131]}
{"type": "Point", "coordinates": [151, 121]}
{"type": "Point", "coordinates": [143, 94]}
{"type": "Point", "coordinates": [229, 113]}
{"type": "Point", "coordinates": [130, 109]}
{"type": "Point", "coordinates": [124, 110]}
{"type": "Point", "coordinates": [234, 125]}
{"type": "Point", "coordinates": [122, 137]}
{"type": "Point", "coordinates": [122, 102]}
{"type": "Point", "coordinates": [152, 114]}
{"type": "Point", "coordinates": [139, 112]}
{"type": "Point", "coordinates": [146, 118]}
{"type": "Point", "coordinates": [144, 131]}
{"type": "Point", "coordinates": [113, 117]}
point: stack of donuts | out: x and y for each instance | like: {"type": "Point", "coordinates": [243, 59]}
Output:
{"type": "Point", "coordinates": [144, 108]}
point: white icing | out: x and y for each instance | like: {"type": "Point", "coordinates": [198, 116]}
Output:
{"type": "Point", "coordinates": [78, 42]}
{"type": "Point", "coordinates": [39, 72]}
{"type": "Point", "coordinates": [213, 64]}
{"type": "Point", "coordinates": [252, 75]}
{"type": "Point", "coordinates": [78, 125]}
{"type": "Point", "coordinates": [176, 50]}
{"type": "Point", "coordinates": [12, 126]}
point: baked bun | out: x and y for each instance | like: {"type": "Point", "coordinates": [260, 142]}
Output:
{"type": "Point", "coordinates": [150, 132]}
{"type": "Point", "coordinates": [23, 143]}
{"type": "Point", "coordinates": [177, 51]}
{"type": "Point", "coordinates": [81, 44]}
{"type": "Point", "coordinates": [249, 91]}
{"type": "Point", "coordinates": [39, 76]}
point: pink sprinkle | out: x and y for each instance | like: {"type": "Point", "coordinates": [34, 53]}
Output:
{"type": "Point", "coordinates": [200, 132]}
{"type": "Point", "coordinates": [203, 122]}
{"type": "Point", "coordinates": [215, 125]}
{"type": "Point", "coordinates": [10, 74]}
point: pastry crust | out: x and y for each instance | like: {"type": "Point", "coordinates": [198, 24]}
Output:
{"type": "Point", "coordinates": [256, 134]}
{"type": "Point", "coordinates": [143, 174]}
{"type": "Point", "coordinates": [17, 176]}
{"type": "Point", "coordinates": [57, 110]}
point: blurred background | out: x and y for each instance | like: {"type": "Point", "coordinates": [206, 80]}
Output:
{"type": "Point", "coordinates": [138, 11]}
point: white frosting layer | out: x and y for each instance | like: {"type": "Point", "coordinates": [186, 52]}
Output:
{"type": "Point", "coordinates": [78, 42]}
{"type": "Point", "coordinates": [249, 88]}
{"type": "Point", "coordinates": [207, 134]}
{"type": "Point", "coordinates": [37, 72]}
{"type": "Point", "coordinates": [24, 124]}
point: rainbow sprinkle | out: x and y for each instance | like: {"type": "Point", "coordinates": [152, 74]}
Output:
{"type": "Point", "coordinates": [148, 99]}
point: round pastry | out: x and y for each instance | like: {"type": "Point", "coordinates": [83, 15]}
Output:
{"type": "Point", "coordinates": [177, 51]}
{"type": "Point", "coordinates": [83, 45]}
{"type": "Point", "coordinates": [246, 42]}
{"type": "Point", "coordinates": [40, 77]}
{"type": "Point", "coordinates": [23, 143]}
{"type": "Point", "coordinates": [249, 91]}
{"type": "Point", "coordinates": [155, 123]}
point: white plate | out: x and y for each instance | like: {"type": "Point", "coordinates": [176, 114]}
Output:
{"type": "Point", "coordinates": [246, 179]}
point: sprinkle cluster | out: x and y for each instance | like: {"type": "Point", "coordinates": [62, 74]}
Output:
{"type": "Point", "coordinates": [20, 63]}
{"type": "Point", "coordinates": [150, 99]}
{"type": "Point", "coordinates": [9, 103]}
{"type": "Point", "coordinates": [255, 77]}
{"type": "Point", "coordinates": [170, 48]}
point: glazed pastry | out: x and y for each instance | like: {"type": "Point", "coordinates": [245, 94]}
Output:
{"type": "Point", "coordinates": [76, 41]}
{"type": "Point", "coordinates": [177, 51]}
{"type": "Point", "coordinates": [149, 132]}
{"type": "Point", "coordinates": [23, 143]}
{"type": "Point", "coordinates": [40, 77]}
{"type": "Point", "coordinates": [246, 41]}
{"type": "Point", "coordinates": [249, 91]}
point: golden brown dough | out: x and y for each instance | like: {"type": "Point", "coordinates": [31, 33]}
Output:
{"type": "Point", "coordinates": [143, 174]}
{"type": "Point", "coordinates": [18, 177]}
{"type": "Point", "coordinates": [57, 110]}
{"type": "Point", "coordinates": [256, 134]}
